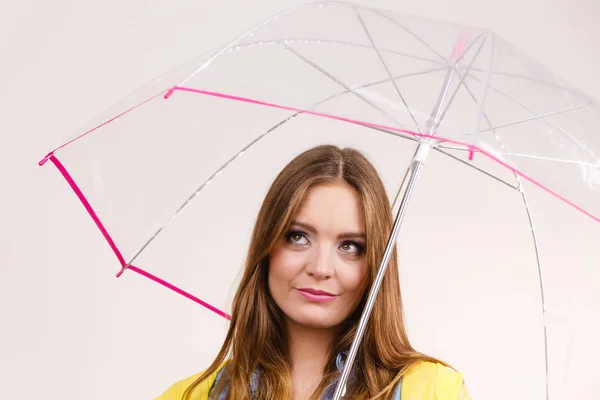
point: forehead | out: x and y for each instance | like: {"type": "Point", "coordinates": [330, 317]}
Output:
{"type": "Point", "coordinates": [334, 206]}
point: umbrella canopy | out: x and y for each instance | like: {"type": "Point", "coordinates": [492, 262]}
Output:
{"type": "Point", "coordinates": [174, 175]}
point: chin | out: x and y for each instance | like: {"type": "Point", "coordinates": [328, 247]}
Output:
{"type": "Point", "coordinates": [312, 319]}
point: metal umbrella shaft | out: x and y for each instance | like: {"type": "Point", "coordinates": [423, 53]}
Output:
{"type": "Point", "coordinates": [415, 167]}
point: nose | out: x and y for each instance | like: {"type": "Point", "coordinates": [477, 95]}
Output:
{"type": "Point", "coordinates": [320, 266]}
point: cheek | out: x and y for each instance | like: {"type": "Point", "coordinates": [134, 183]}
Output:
{"type": "Point", "coordinates": [284, 265]}
{"type": "Point", "coordinates": [352, 277]}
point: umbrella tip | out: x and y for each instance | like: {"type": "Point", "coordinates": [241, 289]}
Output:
{"type": "Point", "coordinates": [46, 158]}
{"type": "Point", "coordinates": [123, 268]}
{"type": "Point", "coordinates": [169, 92]}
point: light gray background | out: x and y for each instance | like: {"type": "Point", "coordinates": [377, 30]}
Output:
{"type": "Point", "coordinates": [66, 327]}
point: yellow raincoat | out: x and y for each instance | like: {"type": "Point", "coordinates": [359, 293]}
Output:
{"type": "Point", "coordinates": [426, 381]}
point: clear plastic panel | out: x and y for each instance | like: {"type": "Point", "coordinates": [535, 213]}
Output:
{"type": "Point", "coordinates": [392, 70]}
{"type": "Point", "coordinates": [177, 171]}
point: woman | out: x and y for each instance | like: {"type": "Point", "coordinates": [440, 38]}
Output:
{"type": "Point", "coordinates": [316, 246]}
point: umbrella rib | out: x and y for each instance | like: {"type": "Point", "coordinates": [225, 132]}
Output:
{"type": "Point", "coordinates": [218, 171]}
{"type": "Point", "coordinates": [340, 42]}
{"type": "Point", "coordinates": [300, 111]}
{"type": "Point", "coordinates": [231, 160]}
{"type": "Point", "coordinates": [487, 119]}
{"type": "Point", "coordinates": [533, 157]}
{"type": "Point", "coordinates": [440, 150]}
{"type": "Point", "coordinates": [162, 92]}
{"type": "Point", "coordinates": [554, 85]}
{"type": "Point", "coordinates": [521, 190]}
{"type": "Point", "coordinates": [538, 116]}
{"type": "Point", "coordinates": [567, 134]}
{"type": "Point", "coordinates": [250, 144]}
{"type": "Point", "coordinates": [410, 32]}
{"type": "Point", "coordinates": [209, 180]}
{"type": "Point", "coordinates": [396, 77]}
{"type": "Point", "coordinates": [92, 213]}
{"type": "Point", "coordinates": [476, 168]}
{"type": "Point", "coordinates": [540, 278]}
{"type": "Point", "coordinates": [238, 39]}
{"type": "Point", "coordinates": [553, 159]}
{"type": "Point", "coordinates": [333, 78]}
{"type": "Point", "coordinates": [385, 66]}
{"type": "Point", "coordinates": [461, 78]}
{"type": "Point", "coordinates": [225, 165]}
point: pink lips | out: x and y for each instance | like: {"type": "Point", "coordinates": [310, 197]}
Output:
{"type": "Point", "coordinates": [318, 296]}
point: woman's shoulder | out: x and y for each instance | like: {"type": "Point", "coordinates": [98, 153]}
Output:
{"type": "Point", "coordinates": [177, 389]}
{"type": "Point", "coordinates": [431, 380]}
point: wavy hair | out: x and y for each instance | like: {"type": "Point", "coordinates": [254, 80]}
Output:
{"type": "Point", "coordinates": [257, 339]}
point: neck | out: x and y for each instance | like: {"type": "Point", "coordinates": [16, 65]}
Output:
{"type": "Point", "coordinates": [309, 347]}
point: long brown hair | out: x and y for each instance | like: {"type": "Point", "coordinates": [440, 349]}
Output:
{"type": "Point", "coordinates": [257, 339]}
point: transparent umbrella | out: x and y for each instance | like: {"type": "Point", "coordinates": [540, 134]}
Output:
{"type": "Point", "coordinates": [479, 135]}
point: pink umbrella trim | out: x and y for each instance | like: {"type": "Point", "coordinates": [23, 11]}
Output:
{"type": "Point", "coordinates": [51, 156]}
{"type": "Point", "coordinates": [115, 249]}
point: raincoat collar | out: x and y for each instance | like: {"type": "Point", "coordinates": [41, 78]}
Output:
{"type": "Point", "coordinates": [340, 362]}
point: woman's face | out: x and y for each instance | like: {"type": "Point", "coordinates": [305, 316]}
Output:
{"type": "Point", "coordinates": [317, 270]}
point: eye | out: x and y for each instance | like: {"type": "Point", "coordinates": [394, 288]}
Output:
{"type": "Point", "coordinates": [353, 248]}
{"type": "Point", "coordinates": [297, 238]}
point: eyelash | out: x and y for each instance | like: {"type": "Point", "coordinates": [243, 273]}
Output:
{"type": "Point", "coordinates": [359, 246]}
{"type": "Point", "coordinates": [289, 234]}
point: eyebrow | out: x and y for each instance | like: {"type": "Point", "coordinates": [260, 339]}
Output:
{"type": "Point", "coordinates": [313, 230]}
